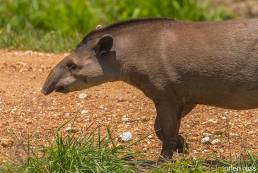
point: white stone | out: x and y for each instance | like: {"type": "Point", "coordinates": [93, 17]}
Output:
{"type": "Point", "coordinates": [101, 107]}
{"type": "Point", "coordinates": [84, 111]}
{"type": "Point", "coordinates": [151, 137]}
{"type": "Point", "coordinates": [13, 110]}
{"type": "Point", "coordinates": [70, 129]}
{"type": "Point", "coordinates": [205, 139]}
{"type": "Point", "coordinates": [126, 136]}
{"type": "Point", "coordinates": [224, 118]}
{"type": "Point", "coordinates": [82, 95]}
{"type": "Point", "coordinates": [215, 141]}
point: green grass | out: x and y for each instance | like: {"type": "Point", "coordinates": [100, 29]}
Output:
{"type": "Point", "coordinates": [39, 40]}
{"type": "Point", "coordinates": [89, 153]}
{"type": "Point", "coordinates": [93, 152]}
{"type": "Point", "coordinates": [58, 25]}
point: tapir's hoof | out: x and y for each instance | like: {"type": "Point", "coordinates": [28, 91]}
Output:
{"type": "Point", "coordinates": [162, 160]}
{"type": "Point", "coordinates": [182, 146]}
{"type": "Point", "coordinates": [165, 156]}
{"type": "Point", "coordinates": [166, 152]}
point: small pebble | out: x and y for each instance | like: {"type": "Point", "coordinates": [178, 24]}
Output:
{"type": "Point", "coordinates": [70, 129]}
{"type": "Point", "coordinates": [82, 96]}
{"type": "Point", "coordinates": [101, 107]}
{"type": "Point", "coordinates": [120, 99]}
{"type": "Point", "coordinates": [84, 111]}
{"type": "Point", "coordinates": [125, 136]}
{"type": "Point", "coordinates": [205, 140]}
{"type": "Point", "coordinates": [151, 137]}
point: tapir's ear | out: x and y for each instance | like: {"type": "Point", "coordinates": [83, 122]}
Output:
{"type": "Point", "coordinates": [104, 44]}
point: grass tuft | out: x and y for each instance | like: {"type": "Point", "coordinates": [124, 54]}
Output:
{"type": "Point", "coordinates": [90, 153]}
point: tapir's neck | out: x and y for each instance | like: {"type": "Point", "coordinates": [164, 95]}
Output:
{"type": "Point", "coordinates": [131, 75]}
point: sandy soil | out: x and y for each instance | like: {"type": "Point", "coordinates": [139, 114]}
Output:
{"type": "Point", "coordinates": [27, 115]}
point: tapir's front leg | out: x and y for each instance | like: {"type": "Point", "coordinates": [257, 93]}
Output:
{"type": "Point", "coordinates": [167, 117]}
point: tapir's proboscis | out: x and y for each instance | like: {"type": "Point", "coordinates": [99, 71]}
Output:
{"type": "Point", "coordinates": [176, 64]}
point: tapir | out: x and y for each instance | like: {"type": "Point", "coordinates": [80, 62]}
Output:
{"type": "Point", "coordinates": [177, 64]}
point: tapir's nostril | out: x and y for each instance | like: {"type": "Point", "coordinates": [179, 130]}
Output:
{"type": "Point", "coordinates": [47, 89]}
{"type": "Point", "coordinates": [43, 91]}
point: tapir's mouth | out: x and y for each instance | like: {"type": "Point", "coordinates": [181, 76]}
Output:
{"type": "Point", "coordinates": [61, 89]}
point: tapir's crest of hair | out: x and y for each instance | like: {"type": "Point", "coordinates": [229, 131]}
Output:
{"type": "Point", "coordinates": [100, 28]}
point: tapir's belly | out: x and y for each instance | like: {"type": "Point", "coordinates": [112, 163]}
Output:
{"type": "Point", "coordinates": [231, 96]}
{"type": "Point", "coordinates": [235, 101]}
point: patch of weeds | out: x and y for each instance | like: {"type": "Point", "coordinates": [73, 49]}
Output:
{"type": "Point", "coordinates": [90, 153]}
{"type": "Point", "coordinates": [39, 40]}
{"type": "Point", "coordinates": [246, 164]}
{"type": "Point", "coordinates": [95, 152]}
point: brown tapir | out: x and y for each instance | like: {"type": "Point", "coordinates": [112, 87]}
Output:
{"type": "Point", "coordinates": [176, 64]}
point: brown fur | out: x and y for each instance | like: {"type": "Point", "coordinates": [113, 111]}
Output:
{"type": "Point", "coordinates": [176, 64]}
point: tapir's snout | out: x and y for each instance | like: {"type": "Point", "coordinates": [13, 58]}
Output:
{"type": "Point", "coordinates": [44, 91]}
{"type": "Point", "coordinates": [60, 78]}
{"type": "Point", "coordinates": [52, 82]}
{"type": "Point", "coordinates": [60, 89]}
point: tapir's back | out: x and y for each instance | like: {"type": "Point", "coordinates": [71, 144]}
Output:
{"type": "Point", "coordinates": [199, 47]}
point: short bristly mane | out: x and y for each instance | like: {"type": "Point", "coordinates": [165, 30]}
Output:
{"type": "Point", "coordinates": [122, 24]}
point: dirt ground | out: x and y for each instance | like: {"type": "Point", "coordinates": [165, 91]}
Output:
{"type": "Point", "coordinates": [27, 115]}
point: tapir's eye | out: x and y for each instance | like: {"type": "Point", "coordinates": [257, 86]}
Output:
{"type": "Point", "coordinates": [71, 66]}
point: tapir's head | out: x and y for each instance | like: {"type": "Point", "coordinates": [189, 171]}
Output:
{"type": "Point", "coordinates": [92, 63]}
